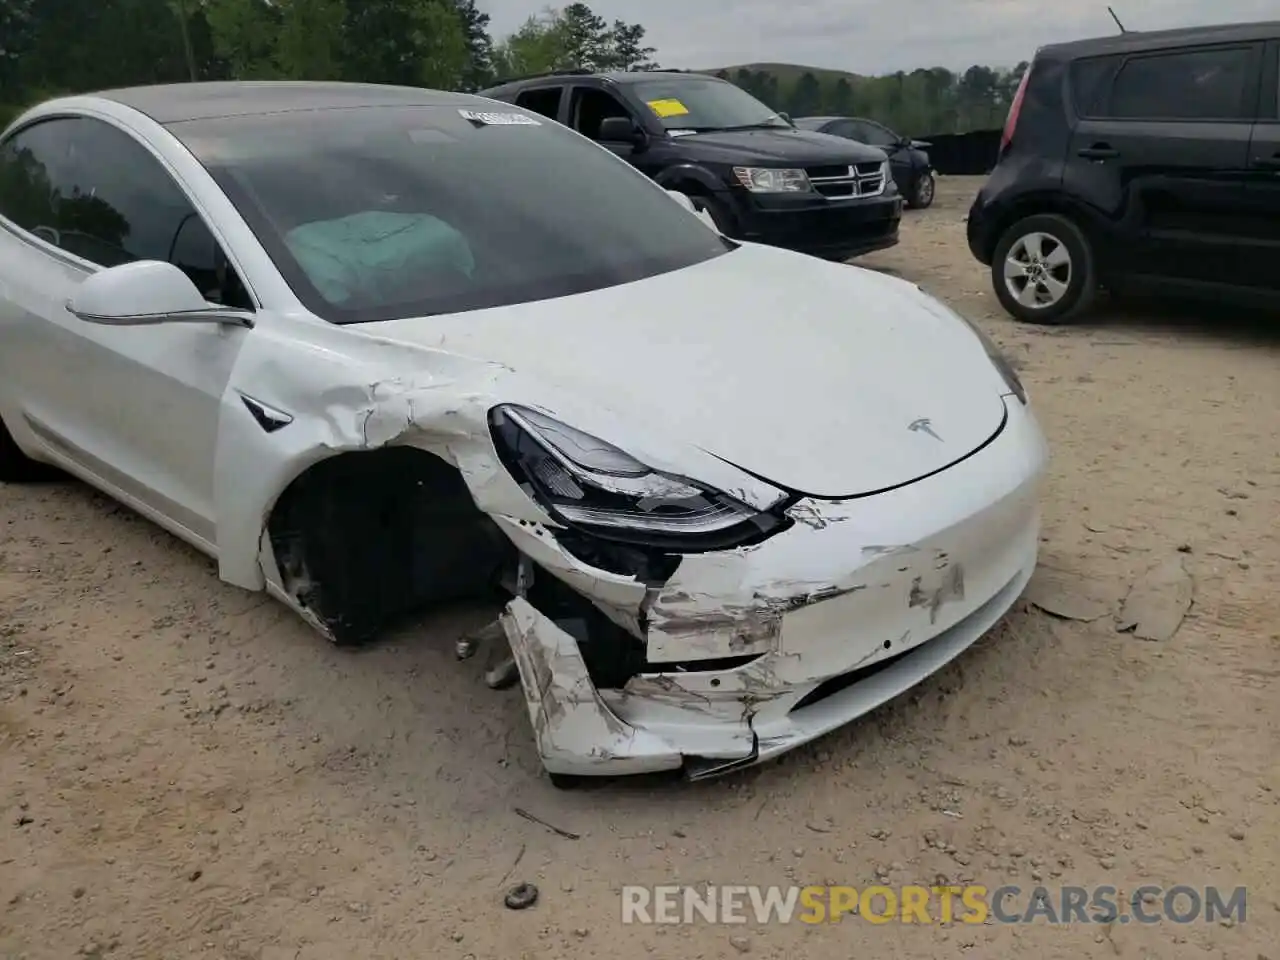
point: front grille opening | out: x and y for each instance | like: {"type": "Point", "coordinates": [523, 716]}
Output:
{"type": "Point", "coordinates": [853, 180]}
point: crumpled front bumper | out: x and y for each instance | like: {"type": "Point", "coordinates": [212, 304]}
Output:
{"type": "Point", "coordinates": [854, 604]}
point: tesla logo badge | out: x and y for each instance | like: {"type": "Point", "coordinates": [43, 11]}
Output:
{"type": "Point", "coordinates": [923, 425]}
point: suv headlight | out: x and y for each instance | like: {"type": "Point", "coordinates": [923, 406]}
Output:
{"type": "Point", "coordinates": [591, 485]}
{"type": "Point", "coordinates": [886, 171]}
{"type": "Point", "coordinates": [770, 180]}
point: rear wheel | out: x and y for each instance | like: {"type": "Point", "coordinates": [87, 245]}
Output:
{"type": "Point", "coordinates": [17, 467]}
{"type": "Point", "coordinates": [922, 194]}
{"type": "Point", "coordinates": [1043, 270]}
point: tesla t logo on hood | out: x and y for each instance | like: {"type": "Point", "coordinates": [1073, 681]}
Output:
{"type": "Point", "coordinates": [923, 425]}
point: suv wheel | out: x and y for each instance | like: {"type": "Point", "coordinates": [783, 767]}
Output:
{"type": "Point", "coordinates": [1043, 269]}
{"type": "Point", "coordinates": [922, 195]}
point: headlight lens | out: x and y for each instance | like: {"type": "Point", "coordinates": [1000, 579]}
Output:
{"type": "Point", "coordinates": [886, 171]}
{"type": "Point", "coordinates": [590, 484]}
{"type": "Point", "coordinates": [769, 180]}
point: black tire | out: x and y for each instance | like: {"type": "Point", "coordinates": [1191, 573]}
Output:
{"type": "Point", "coordinates": [922, 191]}
{"type": "Point", "coordinates": [1079, 278]}
{"type": "Point", "coordinates": [17, 467]}
{"type": "Point", "coordinates": [719, 212]}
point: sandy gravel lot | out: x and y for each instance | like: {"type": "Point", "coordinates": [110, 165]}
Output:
{"type": "Point", "coordinates": [185, 770]}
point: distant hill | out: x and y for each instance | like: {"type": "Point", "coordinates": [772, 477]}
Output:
{"type": "Point", "coordinates": [789, 73]}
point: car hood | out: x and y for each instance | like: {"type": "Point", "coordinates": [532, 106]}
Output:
{"type": "Point", "coordinates": [828, 380]}
{"type": "Point", "coordinates": [776, 148]}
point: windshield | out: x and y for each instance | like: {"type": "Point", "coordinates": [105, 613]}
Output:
{"type": "Point", "coordinates": [694, 104]}
{"type": "Point", "coordinates": [377, 213]}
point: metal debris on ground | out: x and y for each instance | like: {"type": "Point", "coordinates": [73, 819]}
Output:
{"type": "Point", "coordinates": [542, 823]}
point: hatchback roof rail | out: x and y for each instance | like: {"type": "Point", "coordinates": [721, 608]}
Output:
{"type": "Point", "coordinates": [570, 72]}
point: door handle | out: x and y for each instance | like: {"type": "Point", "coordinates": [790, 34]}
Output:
{"type": "Point", "coordinates": [1099, 151]}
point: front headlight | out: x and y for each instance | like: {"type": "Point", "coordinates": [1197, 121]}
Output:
{"type": "Point", "coordinates": [886, 171]}
{"type": "Point", "coordinates": [592, 485]}
{"type": "Point", "coordinates": [769, 180]}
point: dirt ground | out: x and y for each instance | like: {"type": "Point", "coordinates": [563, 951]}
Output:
{"type": "Point", "coordinates": [186, 770]}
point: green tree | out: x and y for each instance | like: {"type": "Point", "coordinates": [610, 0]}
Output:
{"type": "Point", "coordinates": [538, 46]}
{"type": "Point", "coordinates": [409, 42]}
{"type": "Point", "coordinates": [245, 33]}
{"type": "Point", "coordinates": [806, 96]}
{"type": "Point", "coordinates": [584, 38]}
{"type": "Point", "coordinates": [309, 39]}
{"type": "Point", "coordinates": [479, 69]}
{"type": "Point", "coordinates": [627, 49]}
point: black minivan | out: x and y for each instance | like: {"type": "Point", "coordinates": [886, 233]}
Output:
{"type": "Point", "coordinates": [1138, 161]}
{"type": "Point", "coordinates": [758, 177]}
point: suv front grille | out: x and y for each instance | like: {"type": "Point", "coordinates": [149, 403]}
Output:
{"type": "Point", "coordinates": [858, 180]}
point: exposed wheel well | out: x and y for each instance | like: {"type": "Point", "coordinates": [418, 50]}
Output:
{"type": "Point", "coordinates": [362, 539]}
{"type": "Point", "coordinates": [1030, 207]}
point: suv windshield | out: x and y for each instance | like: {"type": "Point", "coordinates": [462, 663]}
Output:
{"type": "Point", "coordinates": [705, 104]}
{"type": "Point", "coordinates": [379, 213]}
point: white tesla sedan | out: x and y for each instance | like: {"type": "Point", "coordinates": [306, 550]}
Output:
{"type": "Point", "coordinates": [378, 348]}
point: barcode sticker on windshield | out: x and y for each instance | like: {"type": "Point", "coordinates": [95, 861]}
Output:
{"type": "Point", "coordinates": [499, 118]}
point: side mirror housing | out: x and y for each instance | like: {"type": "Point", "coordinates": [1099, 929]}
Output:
{"type": "Point", "coordinates": [621, 130]}
{"type": "Point", "coordinates": [147, 292]}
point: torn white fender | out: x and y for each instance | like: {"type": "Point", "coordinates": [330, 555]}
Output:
{"type": "Point", "coordinates": [575, 731]}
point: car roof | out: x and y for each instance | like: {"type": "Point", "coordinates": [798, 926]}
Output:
{"type": "Point", "coordinates": [614, 76]}
{"type": "Point", "coordinates": [1134, 40]}
{"type": "Point", "coordinates": [179, 102]}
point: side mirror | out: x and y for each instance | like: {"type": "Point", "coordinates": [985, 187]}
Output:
{"type": "Point", "coordinates": [620, 130]}
{"type": "Point", "coordinates": [147, 292]}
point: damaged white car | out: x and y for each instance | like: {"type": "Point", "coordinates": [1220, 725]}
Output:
{"type": "Point", "coordinates": [375, 349]}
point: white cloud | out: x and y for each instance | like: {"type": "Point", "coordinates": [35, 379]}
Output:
{"type": "Point", "coordinates": [880, 36]}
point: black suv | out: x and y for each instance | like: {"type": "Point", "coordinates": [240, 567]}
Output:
{"type": "Point", "coordinates": [758, 177]}
{"type": "Point", "coordinates": [1142, 160]}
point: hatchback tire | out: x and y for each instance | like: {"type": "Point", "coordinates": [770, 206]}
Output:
{"type": "Point", "coordinates": [1043, 270]}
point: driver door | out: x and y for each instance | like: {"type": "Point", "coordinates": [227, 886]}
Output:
{"type": "Point", "coordinates": [133, 409]}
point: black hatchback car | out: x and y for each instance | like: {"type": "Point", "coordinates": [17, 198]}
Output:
{"type": "Point", "coordinates": [758, 177]}
{"type": "Point", "coordinates": [912, 171]}
{"type": "Point", "coordinates": [1138, 161]}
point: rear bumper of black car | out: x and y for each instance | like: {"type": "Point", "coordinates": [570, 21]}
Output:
{"type": "Point", "coordinates": [833, 230]}
{"type": "Point", "coordinates": [978, 230]}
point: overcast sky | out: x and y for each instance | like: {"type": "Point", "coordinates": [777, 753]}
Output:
{"type": "Point", "coordinates": [880, 36]}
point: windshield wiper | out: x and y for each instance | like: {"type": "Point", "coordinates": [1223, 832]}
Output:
{"type": "Point", "coordinates": [766, 124]}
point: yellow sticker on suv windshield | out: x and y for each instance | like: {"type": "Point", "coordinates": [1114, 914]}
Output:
{"type": "Point", "coordinates": [668, 108]}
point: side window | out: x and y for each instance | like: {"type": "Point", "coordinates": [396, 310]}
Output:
{"type": "Point", "coordinates": [1090, 80]}
{"type": "Point", "coordinates": [94, 191]}
{"type": "Point", "coordinates": [879, 136]}
{"type": "Point", "coordinates": [843, 128]}
{"type": "Point", "coordinates": [543, 100]}
{"type": "Point", "coordinates": [1188, 85]}
{"type": "Point", "coordinates": [592, 105]}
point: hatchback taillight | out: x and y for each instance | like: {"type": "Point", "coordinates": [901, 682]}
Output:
{"type": "Point", "coordinates": [1014, 109]}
